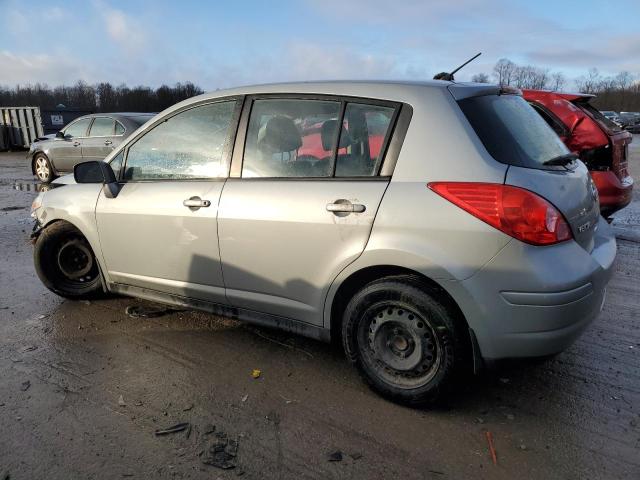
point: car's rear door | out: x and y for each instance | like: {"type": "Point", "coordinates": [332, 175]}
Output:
{"type": "Point", "coordinates": [160, 231]}
{"type": "Point", "coordinates": [99, 143]}
{"type": "Point", "coordinates": [301, 200]}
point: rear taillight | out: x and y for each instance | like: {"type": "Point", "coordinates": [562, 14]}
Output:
{"type": "Point", "coordinates": [515, 211]}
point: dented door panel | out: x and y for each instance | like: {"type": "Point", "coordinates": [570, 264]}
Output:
{"type": "Point", "coordinates": [282, 242]}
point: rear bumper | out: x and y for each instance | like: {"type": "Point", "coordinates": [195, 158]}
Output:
{"type": "Point", "coordinates": [535, 301]}
{"type": "Point", "coordinates": [614, 193]}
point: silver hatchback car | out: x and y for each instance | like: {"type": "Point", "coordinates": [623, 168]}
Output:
{"type": "Point", "coordinates": [430, 227]}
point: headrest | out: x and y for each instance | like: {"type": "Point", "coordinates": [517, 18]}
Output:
{"type": "Point", "coordinates": [328, 133]}
{"type": "Point", "coordinates": [279, 135]}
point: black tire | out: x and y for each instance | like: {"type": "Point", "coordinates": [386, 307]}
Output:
{"type": "Point", "coordinates": [65, 262]}
{"type": "Point", "coordinates": [406, 339]}
{"type": "Point", "coordinates": [42, 168]}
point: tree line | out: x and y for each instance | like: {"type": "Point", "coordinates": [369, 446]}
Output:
{"type": "Point", "coordinates": [619, 92]}
{"type": "Point", "coordinates": [102, 97]}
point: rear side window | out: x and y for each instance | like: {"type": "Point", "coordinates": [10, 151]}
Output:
{"type": "Point", "coordinates": [597, 115]}
{"type": "Point", "coordinates": [119, 128]}
{"type": "Point", "coordinates": [315, 138]}
{"type": "Point", "coordinates": [363, 135]}
{"type": "Point", "coordinates": [291, 138]}
{"type": "Point", "coordinates": [512, 131]}
{"type": "Point", "coordinates": [102, 127]}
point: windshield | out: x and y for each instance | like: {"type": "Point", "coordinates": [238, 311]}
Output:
{"type": "Point", "coordinates": [512, 131]}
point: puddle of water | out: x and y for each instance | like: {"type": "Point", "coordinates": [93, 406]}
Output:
{"type": "Point", "coordinates": [31, 186]}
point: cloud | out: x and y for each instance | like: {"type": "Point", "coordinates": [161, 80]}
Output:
{"type": "Point", "coordinates": [16, 22]}
{"type": "Point", "coordinates": [105, 40]}
{"type": "Point", "coordinates": [614, 54]}
{"type": "Point", "coordinates": [402, 13]}
{"type": "Point", "coordinates": [126, 32]}
{"type": "Point", "coordinates": [55, 13]}
{"type": "Point", "coordinates": [40, 68]}
{"type": "Point", "coordinates": [308, 61]}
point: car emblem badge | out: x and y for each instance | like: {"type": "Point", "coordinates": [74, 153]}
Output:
{"type": "Point", "coordinates": [584, 227]}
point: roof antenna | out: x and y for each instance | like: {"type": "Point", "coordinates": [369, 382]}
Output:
{"type": "Point", "coordinates": [449, 76]}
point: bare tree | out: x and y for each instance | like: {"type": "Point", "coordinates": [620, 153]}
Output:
{"type": "Point", "coordinates": [590, 83]}
{"type": "Point", "coordinates": [623, 80]}
{"type": "Point", "coordinates": [480, 78]}
{"type": "Point", "coordinates": [107, 101]}
{"type": "Point", "coordinates": [503, 71]}
{"type": "Point", "coordinates": [557, 81]}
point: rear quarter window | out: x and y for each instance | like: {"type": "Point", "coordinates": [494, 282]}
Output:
{"type": "Point", "coordinates": [512, 131]}
{"type": "Point", "coordinates": [600, 119]}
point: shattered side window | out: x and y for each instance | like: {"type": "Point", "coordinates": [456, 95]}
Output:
{"type": "Point", "coordinates": [189, 145]}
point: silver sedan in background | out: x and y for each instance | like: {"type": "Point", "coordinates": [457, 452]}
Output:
{"type": "Point", "coordinates": [91, 137]}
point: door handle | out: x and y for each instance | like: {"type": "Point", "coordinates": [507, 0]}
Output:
{"type": "Point", "coordinates": [76, 144]}
{"type": "Point", "coordinates": [196, 202]}
{"type": "Point", "coordinates": [108, 142]}
{"type": "Point", "coordinates": [345, 206]}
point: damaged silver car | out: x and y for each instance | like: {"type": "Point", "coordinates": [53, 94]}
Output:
{"type": "Point", "coordinates": [430, 227]}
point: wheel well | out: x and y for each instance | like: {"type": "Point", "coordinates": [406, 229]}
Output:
{"type": "Point", "coordinates": [359, 279]}
{"type": "Point", "coordinates": [59, 221]}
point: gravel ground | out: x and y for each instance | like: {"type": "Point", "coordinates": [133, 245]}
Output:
{"type": "Point", "coordinates": [84, 387]}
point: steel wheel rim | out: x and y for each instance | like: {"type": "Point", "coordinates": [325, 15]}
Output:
{"type": "Point", "coordinates": [42, 169]}
{"type": "Point", "coordinates": [400, 344]}
{"type": "Point", "coordinates": [75, 261]}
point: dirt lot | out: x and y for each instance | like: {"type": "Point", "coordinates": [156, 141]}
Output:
{"type": "Point", "coordinates": [84, 387]}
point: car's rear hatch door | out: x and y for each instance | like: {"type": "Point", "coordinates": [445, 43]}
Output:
{"type": "Point", "coordinates": [619, 139]}
{"type": "Point", "coordinates": [514, 134]}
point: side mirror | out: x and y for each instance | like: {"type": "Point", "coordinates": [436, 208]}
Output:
{"type": "Point", "coordinates": [97, 172]}
{"type": "Point", "coordinates": [59, 134]}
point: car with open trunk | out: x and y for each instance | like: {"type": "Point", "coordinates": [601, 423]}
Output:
{"type": "Point", "coordinates": [600, 142]}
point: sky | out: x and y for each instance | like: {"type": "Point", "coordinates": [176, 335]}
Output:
{"type": "Point", "coordinates": [222, 44]}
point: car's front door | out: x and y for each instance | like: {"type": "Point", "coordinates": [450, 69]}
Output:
{"type": "Point", "coordinates": [160, 231]}
{"type": "Point", "coordinates": [100, 142]}
{"type": "Point", "coordinates": [67, 151]}
{"type": "Point", "coordinates": [302, 203]}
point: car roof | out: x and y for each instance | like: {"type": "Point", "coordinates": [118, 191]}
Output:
{"type": "Point", "coordinates": [328, 87]}
{"type": "Point", "coordinates": [392, 90]}
{"type": "Point", "coordinates": [123, 114]}
{"type": "Point", "coordinates": [134, 114]}
{"type": "Point", "coordinates": [118, 115]}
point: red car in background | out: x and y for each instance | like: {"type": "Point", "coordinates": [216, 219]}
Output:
{"type": "Point", "coordinates": [601, 144]}
{"type": "Point", "coordinates": [312, 145]}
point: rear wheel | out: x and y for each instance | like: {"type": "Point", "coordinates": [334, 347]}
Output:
{"type": "Point", "coordinates": [42, 168]}
{"type": "Point", "coordinates": [65, 262]}
{"type": "Point", "coordinates": [408, 344]}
